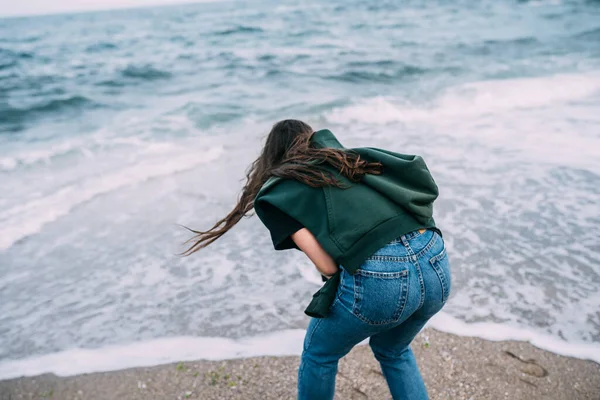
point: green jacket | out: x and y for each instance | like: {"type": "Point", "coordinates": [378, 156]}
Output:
{"type": "Point", "coordinates": [354, 222]}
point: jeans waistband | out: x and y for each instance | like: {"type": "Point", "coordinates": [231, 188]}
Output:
{"type": "Point", "coordinates": [407, 236]}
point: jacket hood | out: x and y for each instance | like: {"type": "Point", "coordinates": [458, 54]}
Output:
{"type": "Point", "coordinates": [325, 138]}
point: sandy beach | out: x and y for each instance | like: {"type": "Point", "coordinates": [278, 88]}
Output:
{"type": "Point", "coordinates": [454, 368]}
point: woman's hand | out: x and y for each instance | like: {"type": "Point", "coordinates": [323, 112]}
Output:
{"type": "Point", "coordinates": [306, 241]}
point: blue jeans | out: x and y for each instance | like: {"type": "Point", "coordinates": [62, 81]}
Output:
{"type": "Point", "coordinates": [389, 300]}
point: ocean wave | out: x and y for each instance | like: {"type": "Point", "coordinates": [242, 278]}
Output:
{"type": "Point", "coordinates": [7, 53]}
{"type": "Point", "coordinates": [87, 146]}
{"type": "Point", "coordinates": [15, 115]}
{"type": "Point", "coordinates": [10, 58]}
{"type": "Point", "coordinates": [21, 39]}
{"type": "Point", "coordinates": [592, 34]}
{"type": "Point", "coordinates": [472, 99]}
{"type": "Point", "coordinates": [204, 116]}
{"type": "Point", "coordinates": [34, 157]}
{"type": "Point", "coordinates": [14, 80]}
{"type": "Point", "coordinates": [366, 75]}
{"type": "Point", "coordinates": [207, 121]}
{"type": "Point", "coordinates": [111, 83]}
{"type": "Point", "coordinates": [186, 41]}
{"type": "Point", "coordinates": [373, 64]}
{"type": "Point", "coordinates": [500, 47]}
{"type": "Point", "coordinates": [101, 46]}
{"type": "Point", "coordinates": [239, 29]}
{"type": "Point", "coordinates": [518, 41]}
{"type": "Point", "coordinates": [144, 72]}
{"type": "Point", "coordinates": [30, 217]}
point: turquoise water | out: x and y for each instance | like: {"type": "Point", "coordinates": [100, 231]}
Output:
{"type": "Point", "coordinates": [116, 126]}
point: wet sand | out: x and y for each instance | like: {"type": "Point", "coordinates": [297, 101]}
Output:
{"type": "Point", "coordinates": [453, 367]}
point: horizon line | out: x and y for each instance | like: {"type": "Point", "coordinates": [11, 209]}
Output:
{"type": "Point", "coordinates": [154, 4]}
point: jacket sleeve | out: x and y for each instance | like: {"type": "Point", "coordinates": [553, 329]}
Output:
{"type": "Point", "coordinates": [280, 225]}
{"type": "Point", "coordinates": [269, 205]}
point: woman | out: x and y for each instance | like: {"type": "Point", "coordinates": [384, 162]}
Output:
{"type": "Point", "coordinates": [364, 218]}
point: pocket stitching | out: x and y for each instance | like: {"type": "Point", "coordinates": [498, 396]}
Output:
{"type": "Point", "coordinates": [400, 306]}
{"type": "Point", "coordinates": [439, 256]}
{"type": "Point", "coordinates": [389, 258]}
{"type": "Point", "coordinates": [383, 275]}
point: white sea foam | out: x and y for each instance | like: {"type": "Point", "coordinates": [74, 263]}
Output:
{"type": "Point", "coordinates": [30, 217]}
{"type": "Point", "coordinates": [154, 352]}
{"type": "Point", "coordinates": [281, 343]}
{"type": "Point", "coordinates": [88, 146]}
{"type": "Point", "coordinates": [474, 99]}
{"type": "Point", "coordinates": [41, 155]}
{"type": "Point", "coordinates": [496, 332]}
{"type": "Point", "coordinates": [532, 115]}
{"type": "Point", "coordinates": [47, 152]}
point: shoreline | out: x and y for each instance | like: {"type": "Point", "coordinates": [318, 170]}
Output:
{"type": "Point", "coordinates": [287, 342]}
{"type": "Point", "coordinates": [454, 367]}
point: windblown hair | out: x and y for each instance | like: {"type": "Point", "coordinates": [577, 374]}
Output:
{"type": "Point", "coordinates": [288, 153]}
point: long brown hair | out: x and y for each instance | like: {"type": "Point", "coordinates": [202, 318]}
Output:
{"type": "Point", "coordinates": [288, 153]}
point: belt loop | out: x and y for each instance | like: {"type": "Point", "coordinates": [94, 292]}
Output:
{"type": "Point", "coordinates": [409, 250]}
{"type": "Point", "coordinates": [404, 241]}
{"type": "Point", "coordinates": [406, 244]}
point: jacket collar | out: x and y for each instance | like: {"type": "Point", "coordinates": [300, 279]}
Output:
{"type": "Point", "coordinates": [324, 138]}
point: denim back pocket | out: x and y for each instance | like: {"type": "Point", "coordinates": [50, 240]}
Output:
{"type": "Point", "coordinates": [380, 297]}
{"type": "Point", "coordinates": [441, 265]}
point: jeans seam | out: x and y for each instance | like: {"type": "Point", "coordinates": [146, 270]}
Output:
{"type": "Point", "coordinates": [403, 298]}
{"type": "Point", "coordinates": [351, 312]}
{"type": "Point", "coordinates": [301, 371]}
{"type": "Point", "coordinates": [441, 276]}
{"type": "Point", "coordinates": [356, 291]}
{"type": "Point", "coordinates": [312, 333]}
{"type": "Point", "coordinates": [415, 259]}
{"type": "Point", "coordinates": [428, 246]}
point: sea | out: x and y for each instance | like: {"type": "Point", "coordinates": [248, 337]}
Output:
{"type": "Point", "coordinates": [117, 128]}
